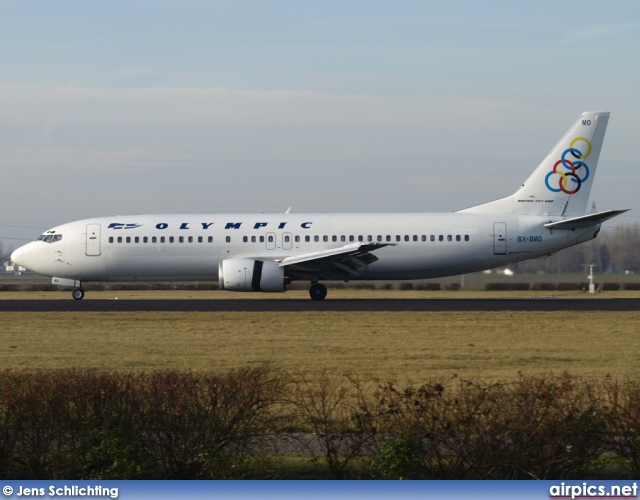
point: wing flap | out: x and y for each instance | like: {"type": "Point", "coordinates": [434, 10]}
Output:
{"type": "Point", "coordinates": [346, 261]}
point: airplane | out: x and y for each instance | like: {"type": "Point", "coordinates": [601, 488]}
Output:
{"type": "Point", "coordinates": [265, 253]}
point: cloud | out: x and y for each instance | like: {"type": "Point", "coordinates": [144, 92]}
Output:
{"type": "Point", "coordinates": [599, 31]}
{"type": "Point", "coordinates": [144, 127]}
{"type": "Point", "coordinates": [54, 105]}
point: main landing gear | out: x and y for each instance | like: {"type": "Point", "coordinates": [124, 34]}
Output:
{"type": "Point", "coordinates": [78, 293]}
{"type": "Point", "coordinates": [318, 291]}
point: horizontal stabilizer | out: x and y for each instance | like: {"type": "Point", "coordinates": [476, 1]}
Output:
{"type": "Point", "coordinates": [584, 220]}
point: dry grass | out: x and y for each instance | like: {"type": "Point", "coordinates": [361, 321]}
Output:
{"type": "Point", "coordinates": [416, 346]}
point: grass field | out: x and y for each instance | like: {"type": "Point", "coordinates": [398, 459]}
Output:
{"type": "Point", "coordinates": [415, 346]}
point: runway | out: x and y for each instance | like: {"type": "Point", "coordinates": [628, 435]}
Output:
{"type": "Point", "coordinates": [329, 305]}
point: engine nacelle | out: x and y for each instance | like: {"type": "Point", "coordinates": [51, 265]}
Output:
{"type": "Point", "coordinates": [250, 275]}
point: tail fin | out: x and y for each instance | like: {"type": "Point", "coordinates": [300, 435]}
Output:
{"type": "Point", "coordinates": [562, 182]}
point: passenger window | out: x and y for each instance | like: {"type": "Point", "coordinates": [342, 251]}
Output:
{"type": "Point", "coordinates": [270, 238]}
{"type": "Point", "coordinates": [388, 237]}
{"type": "Point", "coordinates": [398, 237]}
{"type": "Point", "coordinates": [210, 240]}
{"type": "Point", "coordinates": [154, 239]}
{"type": "Point", "coordinates": [406, 237]}
{"type": "Point", "coordinates": [171, 239]}
{"type": "Point", "coordinates": [415, 237]}
{"type": "Point", "coordinates": [245, 239]}
{"type": "Point", "coordinates": [307, 239]}
{"type": "Point", "coordinates": [190, 239]}
{"type": "Point", "coordinates": [449, 237]}
{"type": "Point", "coordinates": [360, 237]}
{"type": "Point", "coordinates": [261, 239]}
{"type": "Point", "coordinates": [287, 239]}
{"type": "Point", "coordinates": [128, 239]}
{"type": "Point", "coordinates": [343, 238]}
{"type": "Point", "coordinates": [457, 237]}
{"type": "Point", "coordinates": [228, 239]}
{"type": "Point", "coordinates": [199, 239]}
{"type": "Point", "coordinates": [119, 239]}
{"type": "Point", "coordinates": [432, 238]}
{"type": "Point", "coordinates": [137, 240]}
{"type": "Point", "coordinates": [325, 238]}
{"type": "Point", "coordinates": [351, 237]}
{"type": "Point", "coordinates": [466, 237]}
{"type": "Point", "coordinates": [297, 239]}
{"type": "Point", "coordinates": [162, 239]}
{"type": "Point", "coordinates": [441, 238]}
{"type": "Point", "coordinates": [110, 239]}
{"type": "Point", "coordinates": [145, 239]}
{"type": "Point", "coordinates": [334, 238]}
{"type": "Point", "coordinates": [379, 237]}
{"type": "Point", "coordinates": [316, 238]}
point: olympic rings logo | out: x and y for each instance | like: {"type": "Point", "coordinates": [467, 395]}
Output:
{"type": "Point", "coordinates": [576, 171]}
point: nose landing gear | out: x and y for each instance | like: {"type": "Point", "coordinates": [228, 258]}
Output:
{"type": "Point", "coordinates": [78, 293]}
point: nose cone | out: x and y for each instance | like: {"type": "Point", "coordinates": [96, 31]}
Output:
{"type": "Point", "coordinates": [23, 256]}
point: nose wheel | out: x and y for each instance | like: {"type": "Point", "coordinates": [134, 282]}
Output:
{"type": "Point", "coordinates": [78, 293]}
{"type": "Point", "coordinates": [318, 291]}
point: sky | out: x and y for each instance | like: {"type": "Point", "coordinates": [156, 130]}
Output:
{"type": "Point", "coordinates": [154, 106]}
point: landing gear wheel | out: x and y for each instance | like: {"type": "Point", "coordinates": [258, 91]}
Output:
{"type": "Point", "coordinates": [78, 293]}
{"type": "Point", "coordinates": [318, 291]}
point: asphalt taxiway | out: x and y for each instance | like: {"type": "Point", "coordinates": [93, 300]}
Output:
{"type": "Point", "coordinates": [335, 305]}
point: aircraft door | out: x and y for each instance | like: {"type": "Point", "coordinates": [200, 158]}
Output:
{"type": "Point", "coordinates": [286, 241]}
{"type": "Point", "coordinates": [271, 241]}
{"type": "Point", "coordinates": [93, 240]}
{"type": "Point", "coordinates": [499, 238]}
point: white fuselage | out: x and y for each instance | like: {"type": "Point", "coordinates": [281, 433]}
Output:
{"type": "Point", "coordinates": [191, 247]}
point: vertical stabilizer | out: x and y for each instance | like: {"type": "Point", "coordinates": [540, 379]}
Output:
{"type": "Point", "coordinates": [561, 184]}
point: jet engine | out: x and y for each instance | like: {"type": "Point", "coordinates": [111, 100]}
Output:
{"type": "Point", "coordinates": [250, 275]}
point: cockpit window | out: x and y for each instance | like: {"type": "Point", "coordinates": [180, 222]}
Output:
{"type": "Point", "coordinates": [50, 238]}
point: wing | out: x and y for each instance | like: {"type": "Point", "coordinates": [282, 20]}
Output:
{"type": "Point", "coordinates": [349, 261]}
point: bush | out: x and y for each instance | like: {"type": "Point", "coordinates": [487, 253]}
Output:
{"type": "Point", "coordinates": [399, 458]}
{"type": "Point", "coordinates": [505, 286]}
{"type": "Point", "coordinates": [454, 287]}
{"type": "Point", "coordinates": [544, 286]}
{"type": "Point", "coordinates": [405, 286]}
{"type": "Point", "coordinates": [631, 286]}
{"type": "Point", "coordinates": [533, 428]}
{"type": "Point", "coordinates": [622, 401]}
{"type": "Point", "coordinates": [87, 424]}
{"type": "Point", "coordinates": [569, 287]}
{"type": "Point", "coordinates": [430, 287]}
{"type": "Point", "coordinates": [610, 286]}
{"type": "Point", "coordinates": [79, 424]}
